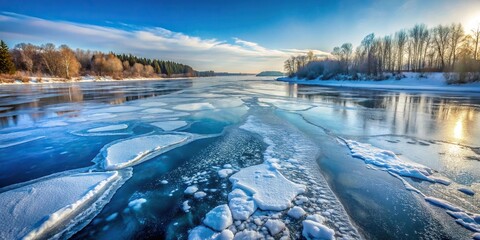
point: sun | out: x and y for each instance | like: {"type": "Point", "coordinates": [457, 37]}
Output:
{"type": "Point", "coordinates": [473, 23]}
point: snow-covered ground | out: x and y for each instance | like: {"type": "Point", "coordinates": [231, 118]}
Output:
{"type": "Point", "coordinates": [412, 81]}
{"type": "Point", "coordinates": [48, 80]}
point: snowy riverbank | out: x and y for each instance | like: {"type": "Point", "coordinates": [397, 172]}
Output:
{"type": "Point", "coordinates": [412, 81]}
{"type": "Point", "coordinates": [49, 80]}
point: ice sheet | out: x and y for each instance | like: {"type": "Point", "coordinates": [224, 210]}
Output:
{"type": "Point", "coordinates": [129, 152]}
{"type": "Point", "coordinates": [55, 205]}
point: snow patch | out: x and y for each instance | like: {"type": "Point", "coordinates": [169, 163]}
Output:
{"type": "Point", "coordinates": [125, 153]}
{"type": "Point", "coordinates": [54, 205]}
{"type": "Point", "coordinates": [269, 188]}
{"type": "Point", "coordinates": [388, 160]}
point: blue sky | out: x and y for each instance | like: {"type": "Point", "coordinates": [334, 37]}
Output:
{"type": "Point", "coordinates": [245, 36]}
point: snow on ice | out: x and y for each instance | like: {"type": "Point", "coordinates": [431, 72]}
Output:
{"type": "Point", "coordinates": [46, 207]}
{"type": "Point", "coordinates": [125, 153]}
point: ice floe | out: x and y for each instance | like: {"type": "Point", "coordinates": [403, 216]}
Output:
{"type": "Point", "coordinates": [268, 187]}
{"type": "Point", "coordinates": [389, 161]}
{"type": "Point", "coordinates": [169, 125]}
{"type": "Point", "coordinates": [136, 204]}
{"type": "Point", "coordinates": [296, 212]}
{"type": "Point", "coordinates": [114, 127]}
{"type": "Point", "coordinates": [129, 152]}
{"type": "Point", "coordinates": [56, 206]}
{"type": "Point", "coordinates": [223, 173]}
{"type": "Point", "coordinates": [191, 190]}
{"type": "Point", "coordinates": [274, 226]}
{"type": "Point", "coordinates": [199, 194]}
{"type": "Point", "coordinates": [316, 230]}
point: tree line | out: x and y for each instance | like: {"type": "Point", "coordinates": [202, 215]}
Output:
{"type": "Point", "coordinates": [64, 62]}
{"type": "Point", "coordinates": [444, 48]}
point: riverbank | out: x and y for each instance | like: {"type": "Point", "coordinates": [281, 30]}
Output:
{"type": "Point", "coordinates": [50, 80]}
{"type": "Point", "coordinates": [412, 81]}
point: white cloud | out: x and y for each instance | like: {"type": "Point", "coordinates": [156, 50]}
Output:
{"type": "Point", "coordinates": [151, 42]}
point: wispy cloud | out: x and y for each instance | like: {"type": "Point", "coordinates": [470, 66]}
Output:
{"type": "Point", "coordinates": [154, 42]}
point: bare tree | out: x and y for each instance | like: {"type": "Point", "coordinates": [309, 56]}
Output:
{"type": "Point", "coordinates": [401, 39]}
{"type": "Point", "coordinates": [456, 36]}
{"type": "Point", "coordinates": [440, 38]}
{"type": "Point", "coordinates": [476, 38]}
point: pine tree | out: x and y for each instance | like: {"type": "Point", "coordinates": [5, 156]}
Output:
{"type": "Point", "coordinates": [6, 63]}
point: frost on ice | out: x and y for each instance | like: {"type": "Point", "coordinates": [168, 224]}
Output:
{"type": "Point", "coordinates": [49, 207]}
{"type": "Point", "coordinates": [268, 187]}
{"type": "Point", "coordinates": [125, 153]}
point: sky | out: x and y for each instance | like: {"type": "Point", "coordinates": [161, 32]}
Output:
{"type": "Point", "coordinates": [221, 35]}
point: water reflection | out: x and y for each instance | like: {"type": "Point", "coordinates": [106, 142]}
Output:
{"type": "Point", "coordinates": [454, 118]}
{"type": "Point", "coordinates": [27, 104]}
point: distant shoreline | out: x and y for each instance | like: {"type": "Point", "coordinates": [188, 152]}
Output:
{"type": "Point", "coordinates": [84, 79]}
{"type": "Point", "coordinates": [412, 82]}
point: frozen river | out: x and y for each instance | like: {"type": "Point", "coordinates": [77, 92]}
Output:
{"type": "Point", "coordinates": [244, 157]}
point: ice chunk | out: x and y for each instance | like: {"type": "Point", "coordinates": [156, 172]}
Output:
{"type": "Point", "coordinates": [316, 217]}
{"type": "Point", "coordinates": [223, 173]}
{"type": "Point", "coordinates": [225, 235]}
{"type": "Point", "coordinates": [191, 190]}
{"type": "Point", "coordinates": [111, 217]}
{"type": "Point", "coordinates": [274, 226]}
{"type": "Point", "coordinates": [218, 218]}
{"type": "Point", "coordinates": [56, 205]}
{"type": "Point", "coordinates": [296, 212]}
{"type": "Point", "coordinates": [315, 230]}
{"type": "Point", "coordinates": [185, 206]}
{"type": "Point", "coordinates": [124, 153]}
{"type": "Point", "coordinates": [248, 235]}
{"type": "Point", "coordinates": [136, 204]}
{"type": "Point", "coordinates": [388, 160]}
{"type": "Point", "coordinates": [242, 207]}
{"type": "Point", "coordinates": [108, 128]}
{"type": "Point", "coordinates": [201, 233]}
{"type": "Point", "coordinates": [194, 106]}
{"type": "Point", "coordinates": [169, 125]}
{"type": "Point", "coordinates": [237, 193]}
{"type": "Point", "coordinates": [269, 188]}
{"type": "Point", "coordinates": [199, 194]}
